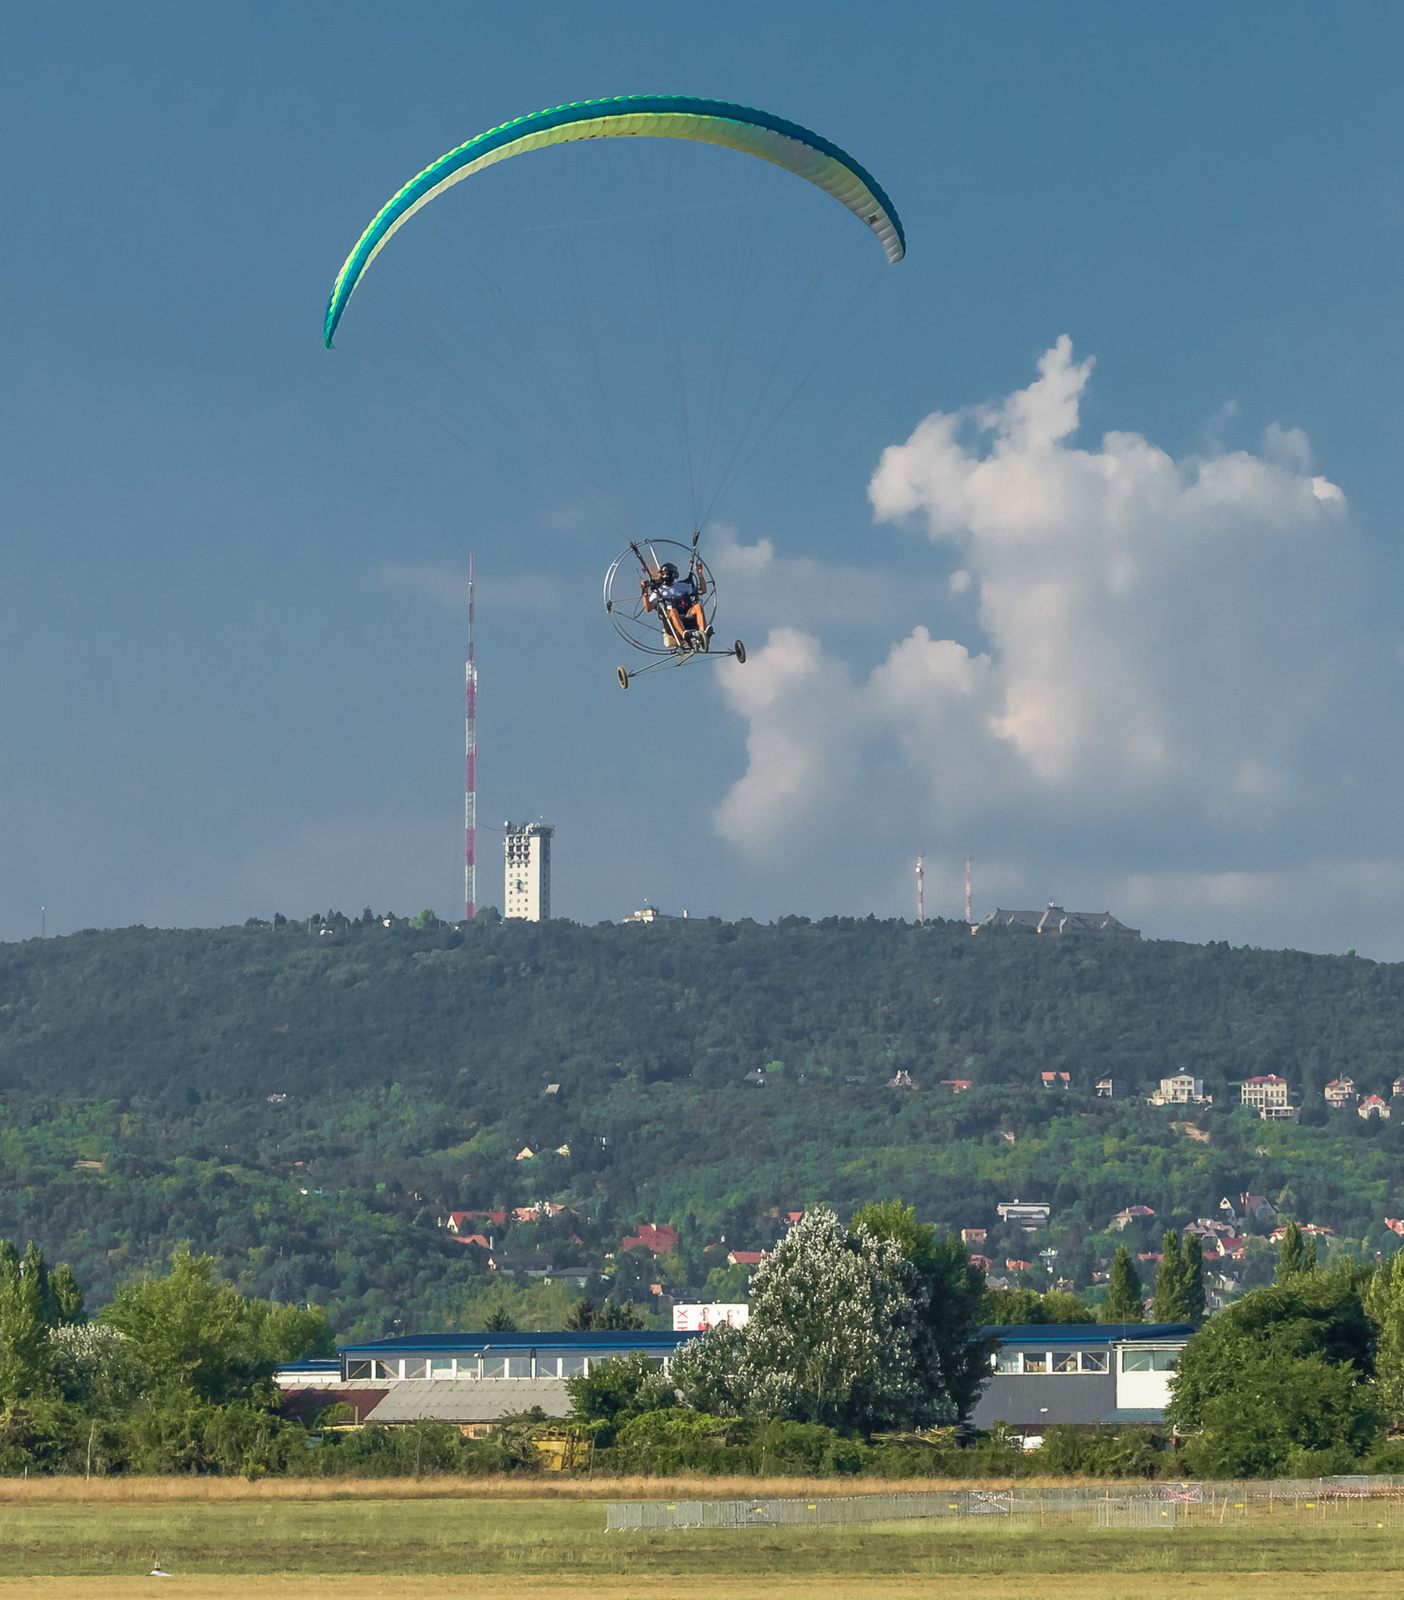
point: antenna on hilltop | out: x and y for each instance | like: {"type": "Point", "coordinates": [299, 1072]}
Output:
{"type": "Point", "coordinates": [969, 920]}
{"type": "Point", "coordinates": [921, 891]}
{"type": "Point", "coordinates": [470, 770]}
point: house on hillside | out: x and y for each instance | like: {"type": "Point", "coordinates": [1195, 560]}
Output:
{"type": "Point", "coordinates": [1131, 1214]}
{"type": "Point", "coordinates": [1248, 1208]}
{"type": "Point", "coordinates": [1026, 1214]}
{"type": "Point", "coordinates": [1055, 1080]}
{"type": "Point", "coordinates": [1340, 1093]}
{"type": "Point", "coordinates": [657, 1237]}
{"type": "Point", "coordinates": [745, 1258]}
{"type": "Point", "coordinates": [957, 1085]}
{"type": "Point", "coordinates": [1398, 1088]}
{"type": "Point", "coordinates": [538, 1269]}
{"type": "Point", "coordinates": [1219, 1246]}
{"type": "Point", "coordinates": [974, 1235]}
{"type": "Point", "coordinates": [1110, 1088]}
{"type": "Point", "coordinates": [1373, 1107]}
{"type": "Point", "coordinates": [1181, 1089]}
{"type": "Point", "coordinates": [1270, 1097]}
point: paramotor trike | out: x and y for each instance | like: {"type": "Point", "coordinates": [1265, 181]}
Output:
{"type": "Point", "coordinates": [662, 599]}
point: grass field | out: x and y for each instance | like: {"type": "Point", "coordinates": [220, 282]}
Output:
{"type": "Point", "coordinates": [1261, 1586]}
{"type": "Point", "coordinates": [422, 1542]}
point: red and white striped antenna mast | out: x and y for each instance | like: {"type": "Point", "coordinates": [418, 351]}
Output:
{"type": "Point", "coordinates": [921, 890]}
{"type": "Point", "coordinates": [969, 921]}
{"type": "Point", "coordinates": [470, 770]}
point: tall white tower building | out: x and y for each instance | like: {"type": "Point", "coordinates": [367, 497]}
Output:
{"type": "Point", "coordinates": [528, 887]}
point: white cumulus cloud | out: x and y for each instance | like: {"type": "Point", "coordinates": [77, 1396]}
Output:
{"type": "Point", "coordinates": [1165, 654]}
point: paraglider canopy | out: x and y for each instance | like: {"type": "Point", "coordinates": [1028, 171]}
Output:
{"type": "Point", "coordinates": [718, 122]}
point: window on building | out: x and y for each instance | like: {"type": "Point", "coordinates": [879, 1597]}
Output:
{"type": "Point", "coordinates": [1149, 1360]}
{"type": "Point", "coordinates": [415, 1368]}
{"type": "Point", "coordinates": [1035, 1361]}
{"type": "Point", "coordinates": [441, 1367]}
{"type": "Point", "coordinates": [385, 1369]}
{"type": "Point", "coordinates": [358, 1369]}
{"type": "Point", "coordinates": [1065, 1362]}
{"type": "Point", "coordinates": [548, 1366]}
{"type": "Point", "coordinates": [1093, 1360]}
{"type": "Point", "coordinates": [518, 1366]}
{"type": "Point", "coordinates": [494, 1367]}
{"type": "Point", "coordinates": [572, 1366]}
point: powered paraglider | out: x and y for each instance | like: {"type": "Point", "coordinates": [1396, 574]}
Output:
{"type": "Point", "coordinates": [662, 599]}
{"type": "Point", "coordinates": [637, 276]}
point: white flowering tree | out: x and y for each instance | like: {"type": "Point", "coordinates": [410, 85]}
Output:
{"type": "Point", "coordinates": [95, 1366]}
{"type": "Point", "coordinates": [834, 1329]}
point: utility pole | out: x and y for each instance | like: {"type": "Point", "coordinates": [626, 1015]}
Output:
{"type": "Point", "coordinates": [921, 891]}
{"type": "Point", "coordinates": [470, 770]}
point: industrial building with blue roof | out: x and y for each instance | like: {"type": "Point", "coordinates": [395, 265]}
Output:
{"type": "Point", "coordinates": [1081, 1373]}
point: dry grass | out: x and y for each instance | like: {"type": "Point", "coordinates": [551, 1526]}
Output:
{"type": "Point", "coordinates": [1143, 1586]}
{"type": "Point", "coordinates": [163, 1490]}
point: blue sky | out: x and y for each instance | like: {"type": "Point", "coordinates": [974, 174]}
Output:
{"type": "Point", "coordinates": [1129, 634]}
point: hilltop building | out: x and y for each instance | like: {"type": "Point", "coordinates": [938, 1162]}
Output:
{"type": "Point", "coordinates": [1056, 920]}
{"type": "Point", "coordinates": [527, 847]}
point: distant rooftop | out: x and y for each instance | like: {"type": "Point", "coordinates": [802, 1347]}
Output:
{"type": "Point", "coordinates": [1056, 920]}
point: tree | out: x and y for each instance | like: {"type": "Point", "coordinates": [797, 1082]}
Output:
{"type": "Point", "coordinates": [1192, 1253]}
{"type": "Point", "coordinates": [66, 1296]}
{"type": "Point", "coordinates": [1295, 1255]}
{"type": "Point", "coordinates": [951, 1301]}
{"type": "Point", "coordinates": [190, 1332]}
{"type": "Point", "coordinates": [95, 1367]}
{"type": "Point", "coordinates": [499, 1321]}
{"type": "Point", "coordinates": [613, 1391]}
{"type": "Point", "coordinates": [1283, 1372]}
{"type": "Point", "coordinates": [1172, 1285]}
{"type": "Point", "coordinates": [620, 1318]}
{"type": "Point", "coordinates": [706, 1372]}
{"type": "Point", "coordinates": [581, 1317]}
{"type": "Point", "coordinates": [1384, 1303]}
{"type": "Point", "coordinates": [834, 1329]}
{"type": "Point", "coordinates": [586, 1317]}
{"type": "Point", "coordinates": [1020, 1308]}
{"type": "Point", "coordinates": [280, 1333]}
{"type": "Point", "coordinates": [1123, 1302]}
{"type": "Point", "coordinates": [24, 1351]}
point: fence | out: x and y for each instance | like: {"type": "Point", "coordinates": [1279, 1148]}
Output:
{"type": "Point", "coordinates": [1375, 1501]}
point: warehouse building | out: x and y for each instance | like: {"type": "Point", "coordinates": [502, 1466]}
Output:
{"type": "Point", "coordinates": [1082, 1373]}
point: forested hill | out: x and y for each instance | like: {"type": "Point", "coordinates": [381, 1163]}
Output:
{"type": "Point", "coordinates": [416, 1062]}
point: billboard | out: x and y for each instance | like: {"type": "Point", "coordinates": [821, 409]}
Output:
{"type": "Point", "coordinates": [697, 1318]}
